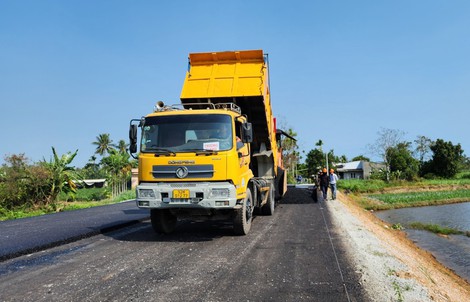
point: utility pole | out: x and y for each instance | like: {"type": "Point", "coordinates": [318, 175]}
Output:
{"type": "Point", "coordinates": [327, 169]}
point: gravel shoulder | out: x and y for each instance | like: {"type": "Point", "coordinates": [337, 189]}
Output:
{"type": "Point", "coordinates": [392, 267]}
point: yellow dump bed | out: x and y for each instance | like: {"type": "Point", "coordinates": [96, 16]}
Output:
{"type": "Point", "coordinates": [239, 77]}
{"type": "Point", "coordinates": [225, 74]}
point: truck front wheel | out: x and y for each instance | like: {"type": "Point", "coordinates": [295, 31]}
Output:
{"type": "Point", "coordinates": [244, 216]}
{"type": "Point", "coordinates": [163, 221]}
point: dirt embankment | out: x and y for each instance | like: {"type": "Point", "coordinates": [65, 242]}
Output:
{"type": "Point", "coordinates": [441, 283]}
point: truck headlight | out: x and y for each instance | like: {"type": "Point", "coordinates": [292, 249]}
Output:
{"type": "Point", "coordinates": [220, 192]}
{"type": "Point", "coordinates": [146, 193]}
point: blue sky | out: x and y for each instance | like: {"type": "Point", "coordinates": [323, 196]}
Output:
{"type": "Point", "coordinates": [340, 70]}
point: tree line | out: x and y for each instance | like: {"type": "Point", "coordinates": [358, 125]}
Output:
{"type": "Point", "coordinates": [401, 159]}
{"type": "Point", "coordinates": [423, 157]}
{"type": "Point", "coordinates": [25, 185]}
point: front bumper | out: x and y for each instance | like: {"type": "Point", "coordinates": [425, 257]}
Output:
{"type": "Point", "coordinates": [205, 195]}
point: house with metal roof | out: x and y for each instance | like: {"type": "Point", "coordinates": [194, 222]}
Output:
{"type": "Point", "coordinates": [354, 170]}
{"type": "Point", "coordinates": [359, 169]}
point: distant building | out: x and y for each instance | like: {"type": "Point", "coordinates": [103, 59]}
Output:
{"type": "Point", "coordinates": [90, 183]}
{"type": "Point", "coordinates": [357, 169]}
{"type": "Point", "coordinates": [353, 170]}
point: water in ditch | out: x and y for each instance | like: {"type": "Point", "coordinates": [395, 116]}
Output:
{"type": "Point", "coordinates": [454, 250]}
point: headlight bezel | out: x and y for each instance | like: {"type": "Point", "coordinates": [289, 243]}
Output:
{"type": "Point", "coordinates": [219, 193]}
{"type": "Point", "coordinates": [146, 193]}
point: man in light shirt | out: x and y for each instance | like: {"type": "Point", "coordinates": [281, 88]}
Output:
{"type": "Point", "coordinates": [333, 179]}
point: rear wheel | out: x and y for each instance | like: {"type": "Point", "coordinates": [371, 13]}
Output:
{"type": "Point", "coordinates": [163, 221]}
{"type": "Point", "coordinates": [244, 216]}
{"type": "Point", "coordinates": [268, 208]}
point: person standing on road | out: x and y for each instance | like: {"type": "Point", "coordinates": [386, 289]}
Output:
{"type": "Point", "coordinates": [333, 180]}
{"type": "Point", "coordinates": [323, 179]}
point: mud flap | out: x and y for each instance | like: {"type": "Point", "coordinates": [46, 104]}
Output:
{"type": "Point", "coordinates": [280, 184]}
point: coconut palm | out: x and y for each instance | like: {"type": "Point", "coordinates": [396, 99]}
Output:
{"type": "Point", "coordinates": [103, 143]}
{"type": "Point", "coordinates": [122, 146]}
{"type": "Point", "coordinates": [319, 144]}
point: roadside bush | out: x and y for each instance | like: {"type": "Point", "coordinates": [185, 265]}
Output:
{"type": "Point", "coordinates": [22, 185]}
{"type": "Point", "coordinates": [464, 175]}
{"type": "Point", "coordinates": [429, 176]}
{"type": "Point", "coordinates": [378, 174]}
{"type": "Point", "coordinates": [126, 196]}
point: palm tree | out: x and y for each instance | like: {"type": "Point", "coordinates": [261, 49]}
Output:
{"type": "Point", "coordinates": [319, 144]}
{"type": "Point", "coordinates": [61, 175]}
{"type": "Point", "coordinates": [122, 146]}
{"type": "Point", "coordinates": [103, 144]}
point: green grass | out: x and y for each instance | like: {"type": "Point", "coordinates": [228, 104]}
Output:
{"type": "Point", "coordinates": [445, 182]}
{"type": "Point", "coordinates": [387, 201]}
{"type": "Point", "coordinates": [362, 186]}
{"type": "Point", "coordinates": [380, 195]}
{"type": "Point", "coordinates": [70, 206]}
{"type": "Point", "coordinates": [6, 214]}
{"type": "Point", "coordinates": [375, 185]}
{"type": "Point", "coordinates": [90, 194]}
{"type": "Point", "coordinates": [417, 197]}
{"type": "Point", "coordinates": [437, 229]}
{"type": "Point", "coordinates": [126, 196]}
{"type": "Point", "coordinates": [63, 206]}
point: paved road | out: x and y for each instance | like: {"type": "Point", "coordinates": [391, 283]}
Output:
{"type": "Point", "coordinates": [27, 235]}
{"type": "Point", "coordinates": [294, 255]}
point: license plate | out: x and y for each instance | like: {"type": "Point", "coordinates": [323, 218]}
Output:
{"type": "Point", "coordinates": [180, 193]}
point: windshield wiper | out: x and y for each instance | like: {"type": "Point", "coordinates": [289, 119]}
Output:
{"type": "Point", "coordinates": [201, 151]}
{"type": "Point", "coordinates": [162, 151]}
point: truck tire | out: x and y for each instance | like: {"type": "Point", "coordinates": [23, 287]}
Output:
{"type": "Point", "coordinates": [163, 221]}
{"type": "Point", "coordinates": [244, 216]}
{"type": "Point", "coordinates": [268, 208]}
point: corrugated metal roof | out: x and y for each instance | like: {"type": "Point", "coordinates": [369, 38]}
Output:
{"type": "Point", "coordinates": [353, 165]}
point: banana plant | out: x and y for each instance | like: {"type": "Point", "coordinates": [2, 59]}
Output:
{"type": "Point", "coordinates": [62, 176]}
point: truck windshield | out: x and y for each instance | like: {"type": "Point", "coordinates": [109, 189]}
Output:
{"type": "Point", "coordinates": [187, 133]}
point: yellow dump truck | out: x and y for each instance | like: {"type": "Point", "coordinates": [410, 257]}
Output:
{"type": "Point", "coordinates": [216, 154]}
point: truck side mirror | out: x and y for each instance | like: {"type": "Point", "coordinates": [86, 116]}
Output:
{"type": "Point", "coordinates": [247, 133]}
{"type": "Point", "coordinates": [133, 138]}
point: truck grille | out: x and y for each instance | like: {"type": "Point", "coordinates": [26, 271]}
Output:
{"type": "Point", "coordinates": [196, 171]}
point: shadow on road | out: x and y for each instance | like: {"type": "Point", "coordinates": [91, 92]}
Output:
{"type": "Point", "coordinates": [200, 231]}
{"type": "Point", "coordinates": [298, 196]}
{"type": "Point", "coordinates": [186, 231]}
{"type": "Point", "coordinates": [134, 211]}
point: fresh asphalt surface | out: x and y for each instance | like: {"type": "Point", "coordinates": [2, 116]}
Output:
{"type": "Point", "coordinates": [23, 236]}
{"type": "Point", "coordinates": [294, 255]}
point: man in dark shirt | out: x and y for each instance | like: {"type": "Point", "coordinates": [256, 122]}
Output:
{"type": "Point", "coordinates": [324, 183]}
